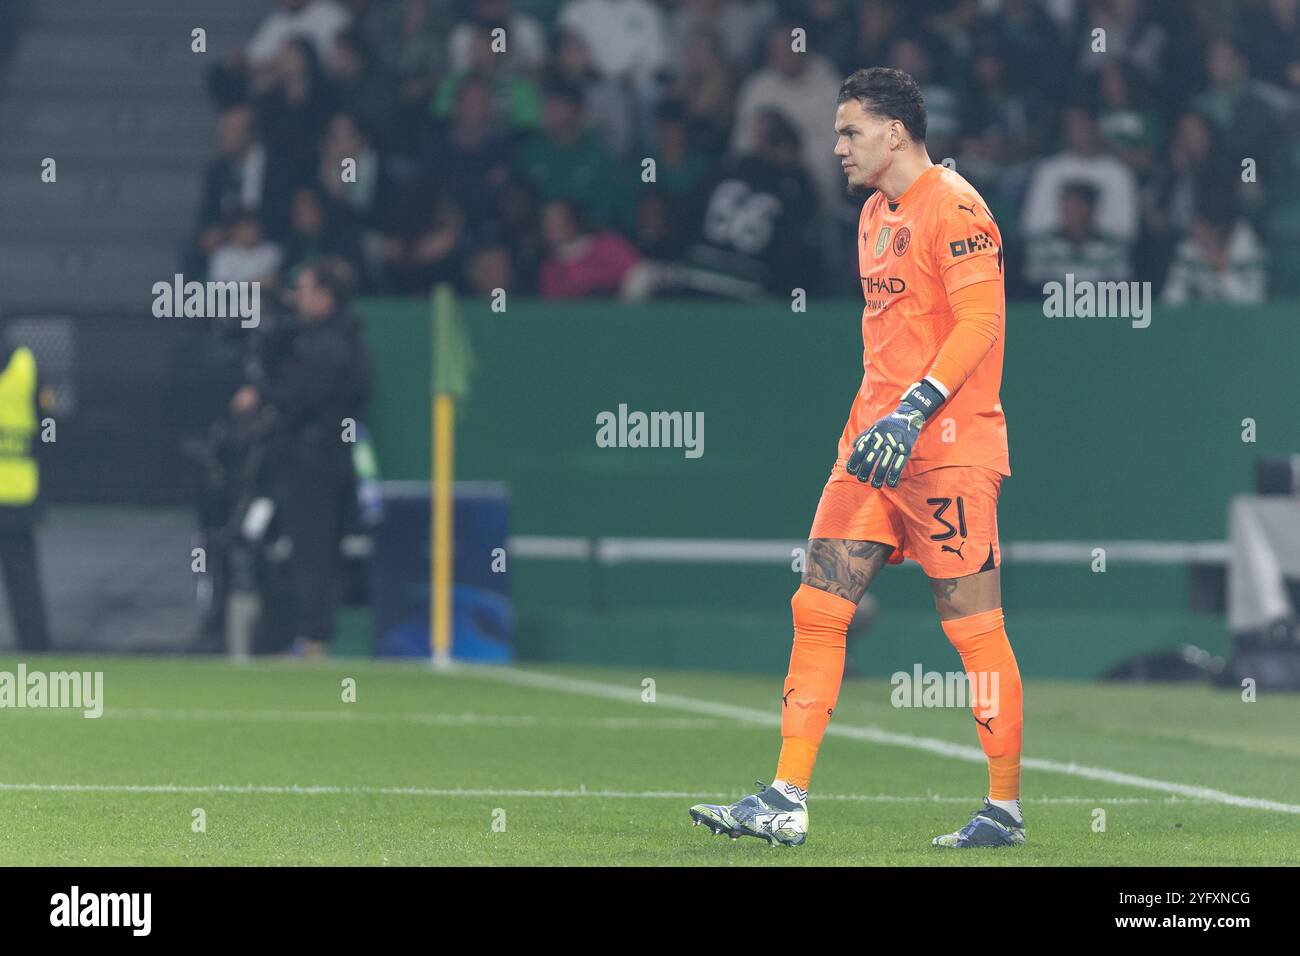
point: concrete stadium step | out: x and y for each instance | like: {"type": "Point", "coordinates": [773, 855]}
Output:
{"type": "Point", "coordinates": [147, 193]}
{"type": "Point", "coordinates": [147, 97]}
{"type": "Point", "coordinates": [91, 602]}
{"type": "Point", "coordinates": [99, 117]}
{"type": "Point", "coordinates": [56, 215]}
{"type": "Point", "coordinates": [82, 273]}
{"type": "Point", "coordinates": [93, 51]}
{"type": "Point", "coordinates": [125, 82]}
{"type": "Point", "coordinates": [146, 9]}
{"type": "Point", "coordinates": [102, 228]}
{"type": "Point", "coordinates": [79, 64]}
{"type": "Point", "coordinates": [114, 128]}
{"type": "Point", "coordinates": [150, 14]}
{"type": "Point", "coordinates": [75, 147]}
{"type": "Point", "coordinates": [85, 166]}
{"type": "Point", "coordinates": [111, 89]}
{"type": "Point", "coordinates": [105, 19]}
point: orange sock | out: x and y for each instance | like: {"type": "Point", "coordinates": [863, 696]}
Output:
{"type": "Point", "coordinates": [981, 640]}
{"type": "Point", "coordinates": [821, 621]}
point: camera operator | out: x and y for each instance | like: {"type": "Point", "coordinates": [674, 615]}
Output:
{"type": "Point", "coordinates": [321, 378]}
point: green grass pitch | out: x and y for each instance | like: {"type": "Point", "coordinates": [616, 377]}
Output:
{"type": "Point", "coordinates": [504, 769]}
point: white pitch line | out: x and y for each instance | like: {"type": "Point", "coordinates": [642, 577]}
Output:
{"type": "Point", "coordinates": [581, 793]}
{"type": "Point", "coordinates": [943, 748]}
{"type": "Point", "coordinates": [464, 719]}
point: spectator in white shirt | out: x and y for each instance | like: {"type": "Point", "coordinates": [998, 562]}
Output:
{"type": "Point", "coordinates": [628, 40]}
{"type": "Point", "coordinates": [1082, 161]}
{"type": "Point", "coordinates": [801, 87]}
{"type": "Point", "coordinates": [524, 38]}
{"type": "Point", "coordinates": [1221, 261]}
{"type": "Point", "coordinates": [738, 25]}
{"type": "Point", "coordinates": [246, 256]}
{"type": "Point", "coordinates": [320, 21]}
{"type": "Point", "coordinates": [1076, 248]}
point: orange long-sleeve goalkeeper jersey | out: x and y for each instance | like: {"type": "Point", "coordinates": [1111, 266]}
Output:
{"type": "Point", "coordinates": [915, 255]}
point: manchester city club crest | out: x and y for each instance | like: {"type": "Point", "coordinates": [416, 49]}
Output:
{"type": "Point", "coordinates": [901, 241]}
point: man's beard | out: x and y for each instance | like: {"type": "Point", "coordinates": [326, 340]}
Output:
{"type": "Point", "coordinates": [856, 189]}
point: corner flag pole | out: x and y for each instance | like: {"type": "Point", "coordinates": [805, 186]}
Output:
{"type": "Point", "coordinates": [441, 478]}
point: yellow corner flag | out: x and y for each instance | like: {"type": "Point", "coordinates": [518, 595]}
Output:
{"type": "Point", "coordinates": [452, 361]}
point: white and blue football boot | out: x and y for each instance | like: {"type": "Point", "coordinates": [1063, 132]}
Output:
{"type": "Point", "coordinates": [777, 816]}
{"type": "Point", "coordinates": [989, 826]}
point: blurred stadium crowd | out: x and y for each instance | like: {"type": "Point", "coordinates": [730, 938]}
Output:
{"type": "Point", "coordinates": [524, 169]}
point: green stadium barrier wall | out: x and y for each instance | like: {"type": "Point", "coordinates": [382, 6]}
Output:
{"type": "Point", "coordinates": [1116, 433]}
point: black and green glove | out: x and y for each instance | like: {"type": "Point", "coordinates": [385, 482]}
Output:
{"type": "Point", "coordinates": [881, 451]}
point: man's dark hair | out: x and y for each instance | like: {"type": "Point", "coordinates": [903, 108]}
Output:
{"type": "Point", "coordinates": [364, 127]}
{"type": "Point", "coordinates": [233, 217]}
{"type": "Point", "coordinates": [671, 111]}
{"type": "Point", "coordinates": [778, 130]}
{"type": "Point", "coordinates": [355, 40]}
{"type": "Point", "coordinates": [578, 213]}
{"type": "Point", "coordinates": [1217, 204]}
{"type": "Point", "coordinates": [1083, 190]}
{"type": "Point", "coordinates": [560, 88]}
{"type": "Point", "coordinates": [336, 275]}
{"type": "Point", "coordinates": [890, 93]}
{"type": "Point", "coordinates": [1081, 104]}
{"type": "Point", "coordinates": [255, 121]}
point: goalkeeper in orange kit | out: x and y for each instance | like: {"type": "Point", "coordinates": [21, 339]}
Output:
{"type": "Point", "coordinates": [921, 458]}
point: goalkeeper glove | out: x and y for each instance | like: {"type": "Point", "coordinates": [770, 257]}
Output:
{"type": "Point", "coordinates": [881, 451]}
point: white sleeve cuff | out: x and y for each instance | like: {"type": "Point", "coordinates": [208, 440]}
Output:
{"type": "Point", "coordinates": [943, 390]}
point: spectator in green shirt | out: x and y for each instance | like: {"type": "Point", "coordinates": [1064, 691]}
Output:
{"type": "Point", "coordinates": [516, 104]}
{"type": "Point", "coordinates": [568, 160]}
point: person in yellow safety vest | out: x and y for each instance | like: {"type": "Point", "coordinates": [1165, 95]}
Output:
{"type": "Point", "coordinates": [20, 487]}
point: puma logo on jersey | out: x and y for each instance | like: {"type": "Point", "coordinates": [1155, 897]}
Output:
{"type": "Point", "coordinates": [956, 550]}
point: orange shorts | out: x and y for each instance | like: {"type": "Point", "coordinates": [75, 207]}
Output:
{"type": "Point", "coordinates": [946, 519]}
